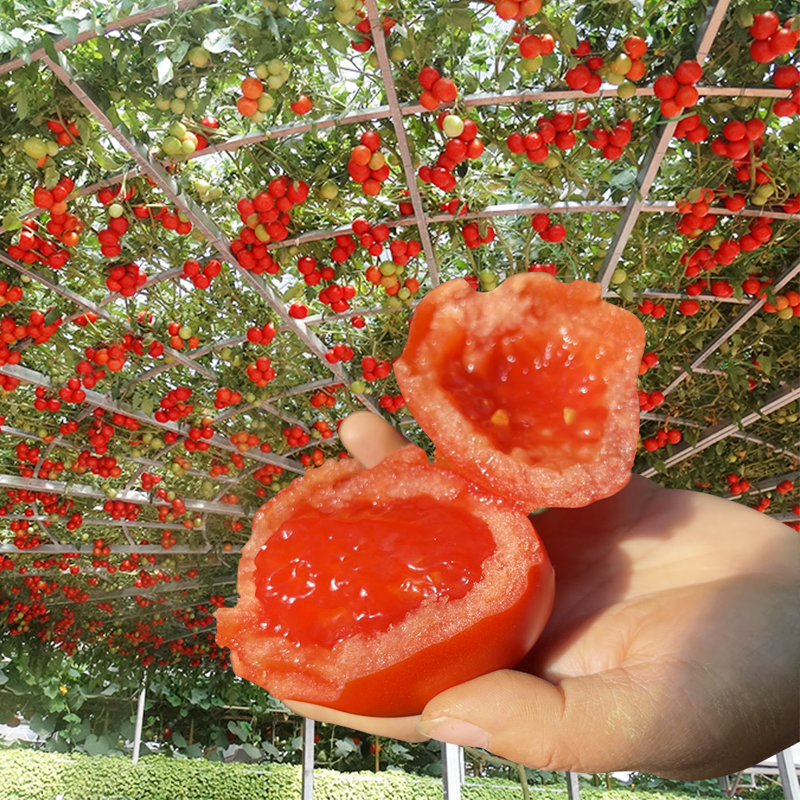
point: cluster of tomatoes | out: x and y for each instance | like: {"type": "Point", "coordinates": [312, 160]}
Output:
{"type": "Point", "coordinates": [367, 164]}
{"type": "Point", "coordinates": [770, 38]}
{"type": "Point", "coordinates": [126, 279]}
{"type": "Point", "coordinates": [557, 130]}
{"type": "Point", "coordinates": [516, 9]}
{"type": "Point", "coordinates": [647, 402]}
{"type": "Point", "coordinates": [586, 76]}
{"type": "Point", "coordinates": [370, 236]}
{"type": "Point", "coordinates": [315, 458]}
{"type": "Point", "coordinates": [312, 275]}
{"type": "Point", "coordinates": [261, 335]}
{"type": "Point", "coordinates": [226, 397]}
{"type": "Point", "coordinates": [201, 276]}
{"type": "Point", "coordinates": [374, 370]}
{"type": "Point", "coordinates": [10, 294]}
{"type": "Point", "coordinates": [326, 398]}
{"type": "Point", "coordinates": [335, 354]}
{"type": "Point", "coordinates": [365, 42]}
{"type": "Point", "coordinates": [690, 127]}
{"type": "Point", "coordinates": [548, 230]}
{"type": "Point", "coordinates": [295, 436]}
{"type": "Point", "coordinates": [612, 142]}
{"type": "Point", "coordinates": [787, 77]}
{"type": "Point", "coordinates": [391, 403]}
{"type": "Point", "coordinates": [677, 91]}
{"type": "Point", "coordinates": [662, 439]}
{"type": "Point", "coordinates": [737, 485]}
{"type": "Point", "coordinates": [261, 372]}
{"type": "Point", "coordinates": [175, 405]}
{"type": "Point", "coordinates": [31, 247]}
{"type": "Point", "coordinates": [463, 144]}
{"type": "Point", "coordinates": [471, 233]}
{"type": "Point", "coordinates": [435, 89]}
{"type": "Point", "coordinates": [243, 441]}
{"type": "Point", "coordinates": [266, 218]}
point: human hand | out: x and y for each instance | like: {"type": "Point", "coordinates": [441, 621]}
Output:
{"type": "Point", "coordinates": [672, 647]}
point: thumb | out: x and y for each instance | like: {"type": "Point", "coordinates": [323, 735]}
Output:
{"type": "Point", "coordinates": [592, 723]}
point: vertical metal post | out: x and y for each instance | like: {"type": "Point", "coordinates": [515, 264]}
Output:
{"type": "Point", "coordinates": [308, 759]}
{"type": "Point", "coordinates": [788, 773]}
{"type": "Point", "coordinates": [137, 736]}
{"type": "Point", "coordinates": [573, 789]}
{"type": "Point", "coordinates": [452, 760]}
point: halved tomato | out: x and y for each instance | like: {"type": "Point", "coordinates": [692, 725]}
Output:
{"type": "Point", "coordinates": [371, 591]}
{"type": "Point", "coordinates": [528, 390]}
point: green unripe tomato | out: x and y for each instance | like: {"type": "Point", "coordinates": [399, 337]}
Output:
{"type": "Point", "coordinates": [358, 387]}
{"type": "Point", "coordinates": [329, 190]}
{"type": "Point", "coordinates": [199, 57]}
{"type": "Point", "coordinates": [181, 92]}
{"type": "Point", "coordinates": [35, 147]}
{"type": "Point", "coordinates": [452, 126]}
{"type": "Point", "coordinates": [626, 90]}
{"type": "Point", "coordinates": [162, 104]}
{"type": "Point", "coordinates": [531, 64]}
{"type": "Point", "coordinates": [619, 276]}
{"type": "Point", "coordinates": [115, 210]}
{"type": "Point", "coordinates": [177, 106]}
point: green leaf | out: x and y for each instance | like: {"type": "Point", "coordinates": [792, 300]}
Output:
{"type": "Point", "coordinates": [7, 42]}
{"type": "Point", "coordinates": [251, 750]}
{"type": "Point", "coordinates": [104, 48]}
{"type": "Point", "coordinates": [505, 79]}
{"type": "Point", "coordinates": [11, 222]}
{"type": "Point", "coordinates": [624, 179]}
{"type": "Point", "coordinates": [569, 34]}
{"type": "Point", "coordinates": [461, 18]}
{"type": "Point", "coordinates": [96, 745]}
{"type": "Point", "coordinates": [50, 47]}
{"type": "Point", "coordinates": [219, 40]}
{"type": "Point", "coordinates": [70, 27]}
{"type": "Point", "coordinates": [337, 40]}
{"type": "Point", "coordinates": [178, 739]}
{"type": "Point", "coordinates": [21, 101]}
{"type": "Point", "coordinates": [3, 677]}
{"type": "Point", "coordinates": [272, 25]}
{"type": "Point", "coordinates": [164, 69]}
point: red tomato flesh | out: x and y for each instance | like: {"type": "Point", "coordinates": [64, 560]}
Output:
{"type": "Point", "coordinates": [529, 390]}
{"type": "Point", "coordinates": [323, 578]}
{"type": "Point", "coordinates": [492, 388]}
{"type": "Point", "coordinates": [371, 591]}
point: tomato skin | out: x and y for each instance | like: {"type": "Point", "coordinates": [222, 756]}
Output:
{"type": "Point", "coordinates": [497, 642]}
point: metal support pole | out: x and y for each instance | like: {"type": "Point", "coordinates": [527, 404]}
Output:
{"type": "Point", "coordinates": [308, 759]}
{"type": "Point", "coordinates": [452, 767]}
{"type": "Point", "coordinates": [573, 788]}
{"type": "Point", "coordinates": [788, 773]}
{"type": "Point", "coordinates": [137, 736]}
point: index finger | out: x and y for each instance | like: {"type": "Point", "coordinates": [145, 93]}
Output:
{"type": "Point", "coordinates": [370, 438]}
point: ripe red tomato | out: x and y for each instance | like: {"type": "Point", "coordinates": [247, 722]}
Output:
{"type": "Point", "coordinates": [560, 433]}
{"type": "Point", "coordinates": [371, 591]}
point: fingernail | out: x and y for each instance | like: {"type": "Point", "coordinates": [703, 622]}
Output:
{"type": "Point", "coordinates": [454, 731]}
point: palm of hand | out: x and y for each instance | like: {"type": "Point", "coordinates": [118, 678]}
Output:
{"type": "Point", "coordinates": [667, 635]}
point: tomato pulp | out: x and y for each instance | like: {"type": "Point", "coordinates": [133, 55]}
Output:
{"type": "Point", "coordinates": [528, 390]}
{"type": "Point", "coordinates": [371, 591]}
{"type": "Point", "coordinates": [324, 577]}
